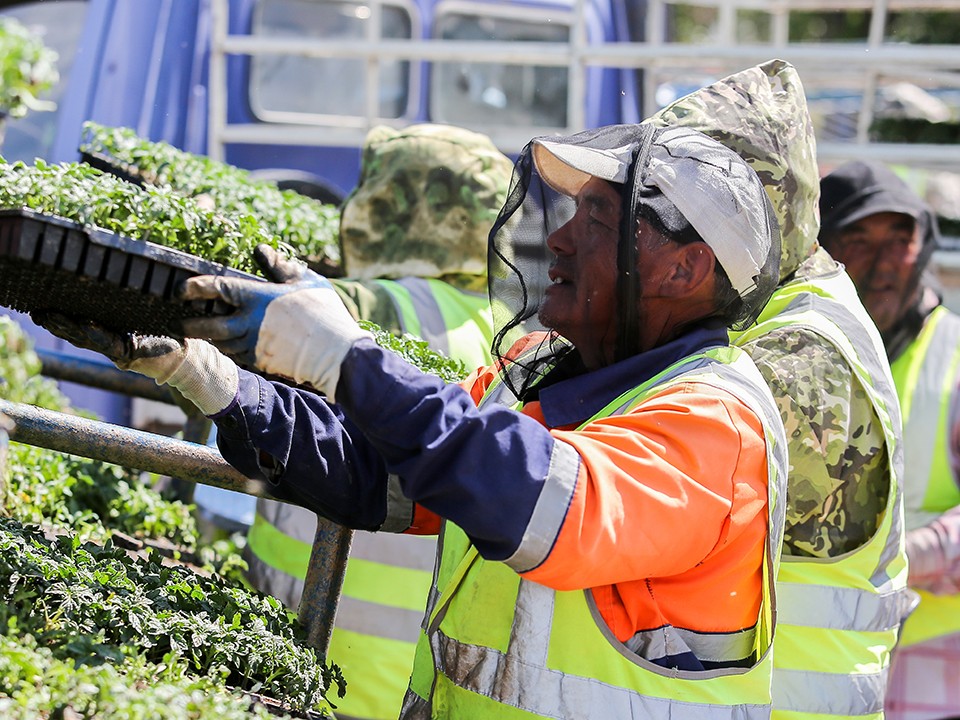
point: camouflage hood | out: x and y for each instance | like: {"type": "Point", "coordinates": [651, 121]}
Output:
{"type": "Point", "coordinates": [426, 200]}
{"type": "Point", "coordinates": [761, 113]}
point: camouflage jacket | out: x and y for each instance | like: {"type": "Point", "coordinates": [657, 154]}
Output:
{"type": "Point", "coordinates": [838, 462]}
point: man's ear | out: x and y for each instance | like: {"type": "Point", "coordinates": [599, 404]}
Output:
{"type": "Point", "coordinates": [692, 268]}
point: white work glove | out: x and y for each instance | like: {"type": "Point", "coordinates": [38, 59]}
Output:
{"type": "Point", "coordinates": [196, 369]}
{"type": "Point", "coordinates": [296, 326]}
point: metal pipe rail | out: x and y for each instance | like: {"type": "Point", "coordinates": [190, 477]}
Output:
{"type": "Point", "coordinates": [193, 462]}
{"type": "Point", "coordinates": [102, 376]}
{"type": "Point", "coordinates": [125, 446]}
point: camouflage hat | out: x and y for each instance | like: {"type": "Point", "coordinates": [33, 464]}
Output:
{"type": "Point", "coordinates": [761, 113]}
{"type": "Point", "coordinates": [427, 198]}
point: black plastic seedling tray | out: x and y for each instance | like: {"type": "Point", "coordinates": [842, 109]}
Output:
{"type": "Point", "coordinates": [113, 166]}
{"type": "Point", "coordinates": [48, 263]}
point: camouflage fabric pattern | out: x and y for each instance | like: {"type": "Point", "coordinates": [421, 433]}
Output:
{"type": "Point", "coordinates": [761, 113]}
{"type": "Point", "coordinates": [426, 200]}
{"type": "Point", "coordinates": [839, 481]}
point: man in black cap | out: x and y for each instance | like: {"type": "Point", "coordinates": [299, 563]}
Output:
{"type": "Point", "coordinates": [885, 235]}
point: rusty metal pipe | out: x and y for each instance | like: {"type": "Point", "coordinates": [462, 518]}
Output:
{"type": "Point", "coordinates": [125, 446]}
{"type": "Point", "coordinates": [196, 463]}
{"type": "Point", "coordinates": [321, 587]}
{"type": "Point", "coordinates": [101, 376]}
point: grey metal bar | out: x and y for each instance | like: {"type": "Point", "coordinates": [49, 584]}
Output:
{"type": "Point", "coordinates": [125, 446]}
{"type": "Point", "coordinates": [100, 375]}
{"type": "Point", "coordinates": [321, 587]}
{"type": "Point", "coordinates": [6, 424]}
{"type": "Point", "coordinates": [196, 429]}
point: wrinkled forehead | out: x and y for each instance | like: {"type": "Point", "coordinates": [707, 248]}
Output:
{"type": "Point", "coordinates": [885, 225]}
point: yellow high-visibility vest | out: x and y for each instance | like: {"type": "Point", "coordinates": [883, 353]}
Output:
{"type": "Point", "coordinates": [500, 646]}
{"type": "Point", "coordinates": [839, 617]}
{"type": "Point", "coordinates": [926, 376]}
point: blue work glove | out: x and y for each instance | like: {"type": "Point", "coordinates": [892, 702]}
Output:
{"type": "Point", "coordinates": [296, 326]}
{"type": "Point", "coordinates": [196, 369]}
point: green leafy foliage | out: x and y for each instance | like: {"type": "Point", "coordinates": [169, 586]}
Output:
{"type": "Point", "coordinates": [20, 379]}
{"type": "Point", "coordinates": [35, 684]}
{"type": "Point", "coordinates": [310, 227]}
{"type": "Point", "coordinates": [28, 68]}
{"type": "Point", "coordinates": [416, 352]}
{"type": "Point", "coordinates": [78, 192]}
{"type": "Point", "coordinates": [58, 490]}
{"type": "Point", "coordinates": [112, 634]}
{"type": "Point", "coordinates": [91, 497]}
{"type": "Point", "coordinates": [94, 605]}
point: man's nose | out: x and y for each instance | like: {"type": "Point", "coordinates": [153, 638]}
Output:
{"type": "Point", "coordinates": [561, 241]}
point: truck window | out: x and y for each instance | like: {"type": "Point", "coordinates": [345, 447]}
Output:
{"type": "Point", "coordinates": [60, 25]}
{"type": "Point", "coordinates": [287, 88]}
{"type": "Point", "coordinates": [482, 95]}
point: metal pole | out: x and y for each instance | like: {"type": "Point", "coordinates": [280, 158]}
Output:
{"type": "Point", "coordinates": [100, 375]}
{"type": "Point", "coordinates": [196, 429]}
{"type": "Point", "coordinates": [6, 425]}
{"type": "Point", "coordinates": [321, 587]}
{"type": "Point", "coordinates": [125, 446]}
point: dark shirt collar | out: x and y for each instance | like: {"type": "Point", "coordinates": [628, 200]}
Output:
{"type": "Point", "coordinates": [572, 400]}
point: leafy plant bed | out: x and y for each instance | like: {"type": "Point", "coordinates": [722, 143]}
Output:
{"type": "Point", "coordinates": [103, 618]}
{"type": "Point", "coordinates": [310, 227]}
{"type": "Point", "coordinates": [49, 263]}
{"type": "Point", "coordinates": [93, 605]}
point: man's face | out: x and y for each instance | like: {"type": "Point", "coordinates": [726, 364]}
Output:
{"type": "Point", "coordinates": [580, 303]}
{"type": "Point", "coordinates": [880, 253]}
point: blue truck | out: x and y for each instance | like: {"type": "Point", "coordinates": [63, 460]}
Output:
{"type": "Point", "coordinates": [186, 72]}
{"type": "Point", "coordinates": [289, 88]}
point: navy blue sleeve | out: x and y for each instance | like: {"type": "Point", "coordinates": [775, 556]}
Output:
{"type": "Point", "coordinates": [481, 469]}
{"type": "Point", "coordinates": [306, 450]}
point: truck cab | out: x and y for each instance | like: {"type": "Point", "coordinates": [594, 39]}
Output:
{"type": "Point", "coordinates": [289, 88]}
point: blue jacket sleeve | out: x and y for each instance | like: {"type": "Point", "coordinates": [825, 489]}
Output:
{"type": "Point", "coordinates": [306, 450]}
{"type": "Point", "coordinates": [482, 469]}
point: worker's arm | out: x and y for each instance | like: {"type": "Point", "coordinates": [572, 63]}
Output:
{"type": "Point", "coordinates": [305, 449]}
{"type": "Point", "coordinates": [574, 509]}
{"type": "Point", "coordinates": [934, 550]}
{"type": "Point", "coordinates": [934, 553]}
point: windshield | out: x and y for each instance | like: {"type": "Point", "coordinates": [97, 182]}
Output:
{"type": "Point", "coordinates": [60, 26]}
{"type": "Point", "coordinates": [290, 85]}
{"type": "Point", "coordinates": [497, 94]}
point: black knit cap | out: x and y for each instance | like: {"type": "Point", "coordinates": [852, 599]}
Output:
{"type": "Point", "coordinates": [858, 189]}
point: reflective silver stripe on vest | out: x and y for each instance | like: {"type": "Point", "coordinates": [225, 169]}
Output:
{"type": "Point", "coordinates": [292, 520]}
{"type": "Point", "coordinates": [923, 426]}
{"type": "Point", "coordinates": [829, 694]}
{"type": "Point", "coordinates": [399, 507]}
{"type": "Point", "coordinates": [367, 618]}
{"type": "Point", "coordinates": [432, 327]}
{"type": "Point", "coordinates": [414, 552]}
{"type": "Point", "coordinates": [553, 694]}
{"type": "Point", "coordinates": [541, 532]}
{"type": "Point", "coordinates": [878, 370]}
{"type": "Point", "coordinates": [670, 641]}
{"type": "Point", "coordinates": [414, 707]}
{"type": "Point", "coordinates": [839, 608]}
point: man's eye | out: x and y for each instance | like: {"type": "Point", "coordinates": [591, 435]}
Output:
{"type": "Point", "coordinates": [600, 220]}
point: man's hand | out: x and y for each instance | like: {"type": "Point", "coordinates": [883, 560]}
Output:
{"type": "Point", "coordinates": [195, 368]}
{"type": "Point", "coordinates": [150, 355]}
{"type": "Point", "coordinates": [296, 326]}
